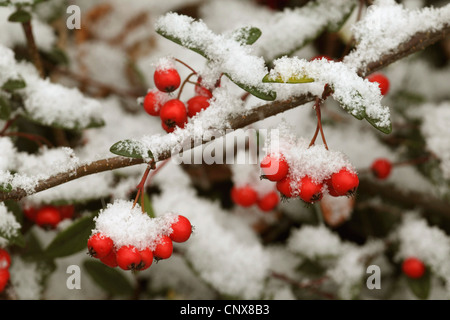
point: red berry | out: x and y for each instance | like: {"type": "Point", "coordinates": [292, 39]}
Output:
{"type": "Point", "coordinates": [274, 167]}
{"type": "Point", "coordinates": [381, 168]}
{"type": "Point", "coordinates": [330, 188]}
{"type": "Point", "coordinates": [309, 190]}
{"type": "Point", "coordinates": [181, 229]}
{"type": "Point", "coordinates": [66, 211]}
{"type": "Point", "coordinates": [382, 80]}
{"type": "Point", "coordinates": [30, 212]}
{"type": "Point", "coordinates": [269, 201]}
{"type": "Point", "coordinates": [244, 196]}
{"type": "Point", "coordinates": [128, 257]}
{"type": "Point", "coordinates": [164, 248]}
{"type": "Point", "coordinates": [4, 278]}
{"type": "Point", "coordinates": [344, 182]}
{"type": "Point", "coordinates": [413, 267]}
{"type": "Point", "coordinates": [284, 187]}
{"type": "Point", "coordinates": [153, 101]}
{"type": "Point", "coordinates": [196, 104]}
{"type": "Point", "coordinates": [110, 259]}
{"type": "Point", "coordinates": [173, 113]}
{"type": "Point", "coordinates": [146, 259]}
{"type": "Point", "coordinates": [5, 259]}
{"type": "Point", "coordinates": [99, 245]}
{"type": "Point", "coordinates": [166, 80]}
{"type": "Point", "coordinates": [201, 90]}
{"type": "Point", "coordinates": [48, 217]}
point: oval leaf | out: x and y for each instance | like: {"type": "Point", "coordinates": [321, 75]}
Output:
{"type": "Point", "coordinates": [420, 287]}
{"type": "Point", "coordinates": [110, 279]}
{"type": "Point", "coordinates": [247, 35]}
{"type": "Point", "coordinates": [14, 84]}
{"type": "Point", "coordinates": [20, 16]}
{"type": "Point", "coordinates": [73, 239]}
{"type": "Point", "coordinates": [129, 148]}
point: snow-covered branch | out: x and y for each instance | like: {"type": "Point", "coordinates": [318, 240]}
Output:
{"type": "Point", "coordinates": [414, 43]}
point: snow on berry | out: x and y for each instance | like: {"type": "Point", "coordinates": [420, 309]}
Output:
{"type": "Point", "coordinates": [166, 76]}
{"type": "Point", "coordinates": [126, 225]}
{"type": "Point", "coordinates": [163, 248]}
{"type": "Point", "coordinates": [153, 101]}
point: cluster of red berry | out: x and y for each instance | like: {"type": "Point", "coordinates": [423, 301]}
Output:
{"type": "Point", "coordinates": [413, 267]}
{"type": "Point", "coordinates": [276, 168]}
{"type": "Point", "coordinates": [5, 262]}
{"type": "Point", "coordinates": [172, 111]}
{"type": "Point", "coordinates": [128, 257]}
{"type": "Point", "coordinates": [49, 216]}
{"type": "Point", "coordinates": [247, 196]}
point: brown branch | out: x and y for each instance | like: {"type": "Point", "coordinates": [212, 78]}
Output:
{"type": "Point", "coordinates": [32, 48]}
{"type": "Point", "coordinates": [416, 43]}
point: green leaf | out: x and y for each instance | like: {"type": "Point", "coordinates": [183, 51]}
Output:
{"type": "Point", "coordinates": [247, 35]}
{"type": "Point", "coordinates": [110, 279]}
{"type": "Point", "coordinates": [293, 79]}
{"type": "Point", "coordinates": [5, 109]}
{"type": "Point", "coordinates": [148, 206]}
{"type": "Point", "coordinates": [191, 46]}
{"type": "Point", "coordinates": [384, 129]}
{"type": "Point", "coordinates": [73, 239]}
{"type": "Point", "coordinates": [420, 287]}
{"type": "Point", "coordinates": [14, 84]}
{"type": "Point", "coordinates": [20, 16]}
{"type": "Point", "coordinates": [129, 148]}
{"type": "Point", "coordinates": [269, 96]}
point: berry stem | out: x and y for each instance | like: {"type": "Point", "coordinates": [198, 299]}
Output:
{"type": "Point", "coordinates": [319, 100]}
{"type": "Point", "coordinates": [8, 124]}
{"type": "Point", "coordinates": [140, 187]}
{"type": "Point", "coordinates": [184, 83]}
{"type": "Point", "coordinates": [186, 65]}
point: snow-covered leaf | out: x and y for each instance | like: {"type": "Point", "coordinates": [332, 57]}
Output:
{"type": "Point", "coordinates": [220, 50]}
{"type": "Point", "coordinates": [20, 16]}
{"type": "Point", "coordinates": [129, 148]}
{"type": "Point", "coordinates": [111, 280]}
{"type": "Point", "coordinates": [247, 35]}
{"type": "Point", "coordinates": [71, 240]}
{"type": "Point", "coordinates": [359, 97]}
